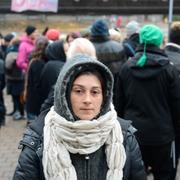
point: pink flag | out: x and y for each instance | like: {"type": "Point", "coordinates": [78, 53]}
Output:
{"type": "Point", "coordinates": [34, 5]}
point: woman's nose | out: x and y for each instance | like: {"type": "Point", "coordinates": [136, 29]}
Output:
{"type": "Point", "coordinates": [87, 98]}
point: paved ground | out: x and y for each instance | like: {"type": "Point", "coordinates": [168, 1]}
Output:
{"type": "Point", "coordinates": [9, 139]}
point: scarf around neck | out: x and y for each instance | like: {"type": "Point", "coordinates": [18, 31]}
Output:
{"type": "Point", "coordinates": [62, 137]}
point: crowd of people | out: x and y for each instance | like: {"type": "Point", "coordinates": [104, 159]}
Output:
{"type": "Point", "coordinates": [98, 105]}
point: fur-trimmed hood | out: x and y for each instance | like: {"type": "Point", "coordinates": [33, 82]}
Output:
{"type": "Point", "coordinates": [71, 69]}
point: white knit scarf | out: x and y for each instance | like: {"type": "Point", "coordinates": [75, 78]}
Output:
{"type": "Point", "coordinates": [83, 137]}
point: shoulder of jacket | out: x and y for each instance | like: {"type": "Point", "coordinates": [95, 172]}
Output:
{"type": "Point", "coordinates": [32, 140]}
{"type": "Point", "coordinates": [126, 126]}
{"type": "Point", "coordinates": [12, 54]}
{"type": "Point", "coordinates": [115, 44]}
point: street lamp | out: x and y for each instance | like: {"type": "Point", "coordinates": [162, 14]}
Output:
{"type": "Point", "coordinates": [170, 17]}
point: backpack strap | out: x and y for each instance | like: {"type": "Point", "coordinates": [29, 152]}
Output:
{"type": "Point", "coordinates": [127, 45]}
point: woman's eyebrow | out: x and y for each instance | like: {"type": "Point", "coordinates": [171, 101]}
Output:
{"type": "Point", "coordinates": [79, 85]}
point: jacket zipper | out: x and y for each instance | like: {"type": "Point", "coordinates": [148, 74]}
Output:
{"type": "Point", "coordinates": [87, 166]}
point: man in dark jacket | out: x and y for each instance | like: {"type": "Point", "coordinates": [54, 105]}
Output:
{"type": "Point", "coordinates": [109, 52]}
{"type": "Point", "coordinates": [30, 160]}
{"type": "Point", "coordinates": [148, 92]}
{"type": "Point", "coordinates": [172, 49]}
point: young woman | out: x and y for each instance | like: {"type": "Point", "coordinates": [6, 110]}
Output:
{"type": "Point", "coordinates": [36, 64]}
{"type": "Point", "coordinates": [80, 138]}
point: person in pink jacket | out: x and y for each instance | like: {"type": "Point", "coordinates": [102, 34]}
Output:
{"type": "Point", "coordinates": [25, 48]}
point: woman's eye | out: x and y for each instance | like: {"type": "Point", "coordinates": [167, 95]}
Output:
{"type": "Point", "coordinates": [95, 92]}
{"type": "Point", "coordinates": [78, 91]}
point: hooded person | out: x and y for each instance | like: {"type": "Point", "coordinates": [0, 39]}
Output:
{"type": "Point", "coordinates": [99, 139]}
{"type": "Point", "coordinates": [56, 57]}
{"type": "Point", "coordinates": [147, 92]}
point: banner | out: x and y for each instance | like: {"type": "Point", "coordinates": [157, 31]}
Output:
{"type": "Point", "coordinates": [34, 5]}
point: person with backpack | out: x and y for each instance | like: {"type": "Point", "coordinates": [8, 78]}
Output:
{"type": "Point", "coordinates": [132, 38]}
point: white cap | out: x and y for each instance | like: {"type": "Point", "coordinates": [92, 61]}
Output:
{"type": "Point", "coordinates": [132, 27]}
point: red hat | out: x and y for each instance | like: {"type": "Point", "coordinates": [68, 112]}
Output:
{"type": "Point", "coordinates": [53, 34]}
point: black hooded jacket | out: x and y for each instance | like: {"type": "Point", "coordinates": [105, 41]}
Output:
{"type": "Point", "coordinates": [149, 95]}
{"type": "Point", "coordinates": [56, 59]}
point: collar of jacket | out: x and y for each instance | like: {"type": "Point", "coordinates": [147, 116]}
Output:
{"type": "Point", "coordinates": [134, 37]}
{"type": "Point", "coordinates": [100, 38]}
{"type": "Point", "coordinates": [172, 47]}
{"type": "Point", "coordinates": [151, 49]}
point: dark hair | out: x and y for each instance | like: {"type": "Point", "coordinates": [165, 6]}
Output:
{"type": "Point", "coordinates": [92, 72]}
{"type": "Point", "coordinates": [73, 35]}
{"type": "Point", "coordinates": [30, 29]}
{"type": "Point", "coordinates": [39, 50]}
{"type": "Point", "coordinates": [86, 71]}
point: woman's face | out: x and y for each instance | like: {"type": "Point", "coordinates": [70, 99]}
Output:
{"type": "Point", "coordinates": [34, 35]}
{"type": "Point", "coordinates": [86, 96]}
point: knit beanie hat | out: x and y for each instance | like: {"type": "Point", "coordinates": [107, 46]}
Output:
{"type": "Point", "coordinates": [53, 34]}
{"type": "Point", "coordinates": [9, 37]}
{"type": "Point", "coordinates": [85, 32]}
{"type": "Point", "coordinates": [131, 28]}
{"type": "Point", "coordinates": [149, 34]}
{"type": "Point", "coordinates": [175, 33]}
{"type": "Point", "coordinates": [99, 28]}
{"type": "Point", "coordinates": [30, 29]}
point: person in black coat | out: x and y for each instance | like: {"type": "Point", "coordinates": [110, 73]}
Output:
{"type": "Point", "coordinates": [56, 57]}
{"type": "Point", "coordinates": [33, 144]}
{"type": "Point", "coordinates": [109, 52]}
{"type": "Point", "coordinates": [37, 62]}
{"type": "Point", "coordinates": [172, 49]}
{"type": "Point", "coordinates": [147, 91]}
{"type": "Point", "coordinates": [14, 80]}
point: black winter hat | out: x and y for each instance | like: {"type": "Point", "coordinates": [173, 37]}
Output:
{"type": "Point", "coordinates": [100, 28]}
{"type": "Point", "coordinates": [8, 37]}
{"type": "Point", "coordinates": [30, 29]}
